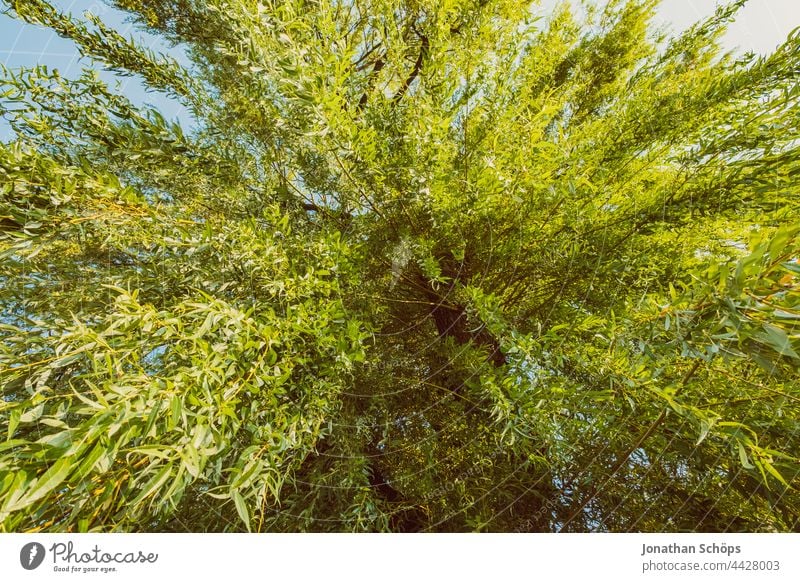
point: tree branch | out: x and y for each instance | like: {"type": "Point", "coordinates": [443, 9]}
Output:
{"type": "Point", "coordinates": [376, 68]}
{"type": "Point", "coordinates": [626, 455]}
{"type": "Point", "coordinates": [423, 52]}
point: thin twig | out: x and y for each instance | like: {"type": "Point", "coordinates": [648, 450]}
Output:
{"type": "Point", "coordinates": [626, 455]}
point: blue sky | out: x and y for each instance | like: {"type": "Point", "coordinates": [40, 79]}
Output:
{"type": "Point", "coordinates": [26, 45]}
{"type": "Point", "coordinates": [760, 27]}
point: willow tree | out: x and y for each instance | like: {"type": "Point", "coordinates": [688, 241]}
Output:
{"type": "Point", "coordinates": [415, 266]}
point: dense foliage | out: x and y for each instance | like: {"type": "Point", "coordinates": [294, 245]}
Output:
{"type": "Point", "coordinates": [419, 265]}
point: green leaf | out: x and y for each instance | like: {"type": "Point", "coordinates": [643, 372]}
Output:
{"type": "Point", "coordinates": [32, 414]}
{"type": "Point", "coordinates": [51, 479]}
{"type": "Point", "coordinates": [191, 460]}
{"type": "Point", "coordinates": [13, 422]}
{"type": "Point", "coordinates": [743, 457]}
{"type": "Point", "coordinates": [153, 485]}
{"type": "Point", "coordinates": [241, 508]}
{"type": "Point", "coordinates": [705, 427]}
{"type": "Point", "coordinates": [176, 407]}
{"type": "Point", "coordinates": [778, 340]}
{"type": "Point", "coordinates": [766, 464]}
{"type": "Point", "coordinates": [87, 464]}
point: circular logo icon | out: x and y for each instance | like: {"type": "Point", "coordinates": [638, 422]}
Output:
{"type": "Point", "coordinates": [31, 555]}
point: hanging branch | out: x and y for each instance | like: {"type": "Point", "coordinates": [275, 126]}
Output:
{"type": "Point", "coordinates": [423, 53]}
{"type": "Point", "coordinates": [376, 68]}
{"type": "Point", "coordinates": [627, 454]}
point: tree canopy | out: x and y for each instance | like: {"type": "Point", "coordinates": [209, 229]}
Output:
{"type": "Point", "coordinates": [417, 265]}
